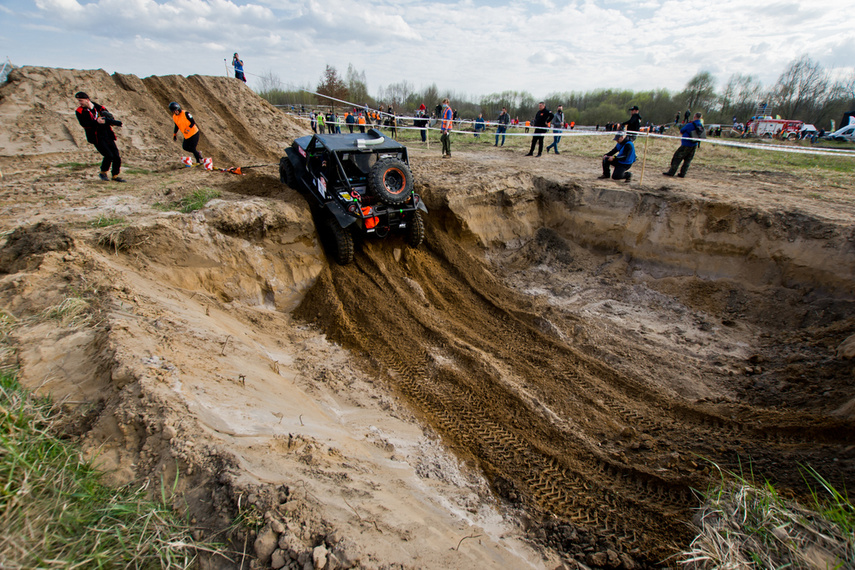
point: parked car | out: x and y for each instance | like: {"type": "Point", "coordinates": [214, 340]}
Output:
{"type": "Point", "coordinates": [359, 185]}
{"type": "Point", "coordinates": [846, 134]}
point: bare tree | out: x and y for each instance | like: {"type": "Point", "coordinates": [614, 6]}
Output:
{"type": "Point", "coordinates": [268, 82]}
{"type": "Point", "coordinates": [357, 87]}
{"type": "Point", "coordinates": [699, 92]}
{"type": "Point", "coordinates": [396, 94]}
{"type": "Point", "coordinates": [802, 90]}
{"type": "Point", "coordinates": [741, 96]}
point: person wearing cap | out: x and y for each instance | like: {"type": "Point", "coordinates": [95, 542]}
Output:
{"type": "Point", "coordinates": [503, 122]}
{"type": "Point", "coordinates": [421, 121]}
{"type": "Point", "coordinates": [541, 122]}
{"type": "Point", "coordinates": [557, 127]}
{"type": "Point", "coordinates": [237, 63]}
{"type": "Point", "coordinates": [620, 157]}
{"type": "Point", "coordinates": [185, 123]}
{"type": "Point", "coordinates": [633, 124]}
{"type": "Point", "coordinates": [96, 122]}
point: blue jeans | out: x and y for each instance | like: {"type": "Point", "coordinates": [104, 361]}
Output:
{"type": "Point", "coordinates": [555, 141]}
{"type": "Point", "coordinates": [501, 130]}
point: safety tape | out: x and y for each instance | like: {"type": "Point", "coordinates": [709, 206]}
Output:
{"type": "Point", "coordinates": [577, 133]}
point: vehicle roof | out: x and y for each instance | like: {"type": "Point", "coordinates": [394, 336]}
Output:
{"type": "Point", "coordinates": [347, 142]}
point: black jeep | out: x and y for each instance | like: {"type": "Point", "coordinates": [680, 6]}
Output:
{"type": "Point", "coordinates": [357, 183]}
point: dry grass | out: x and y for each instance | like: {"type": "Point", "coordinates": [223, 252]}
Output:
{"type": "Point", "coordinates": [745, 525]}
{"type": "Point", "coordinates": [55, 512]}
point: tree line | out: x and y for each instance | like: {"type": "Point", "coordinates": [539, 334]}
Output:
{"type": "Point", "coordinates": [805, 90]}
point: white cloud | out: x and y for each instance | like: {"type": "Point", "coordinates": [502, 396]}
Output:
{"type": "Point", "coordinates": [471, 46]}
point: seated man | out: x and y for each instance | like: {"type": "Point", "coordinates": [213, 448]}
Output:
{"type": "Point", "coordinates": [620, 157]}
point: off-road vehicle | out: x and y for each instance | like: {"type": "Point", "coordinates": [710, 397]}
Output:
{"type": "Point", "coordinates": [358, 184]}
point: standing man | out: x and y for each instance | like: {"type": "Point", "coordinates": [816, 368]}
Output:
{"type": "Point", "coordinates": [350, 120]}
{"type": "Point", "coordinates": [633, 124]}
{"type": "Point", "coordinates": [445, 128]}
{"type": "Point", "coordinates": [620, 157]}
{"type": "Point", "coordinates": [557, 127]}
{"type": "Point", "coordinates": [237, 63]}
{"type": "Point", "coordinates": [96, 122]}
{"type": "Point", "coordinates": [691, 132]}
{"type": "Point", "coordinates": [503, 120]}
{"type": "Point", "coordinates": [541, 122]}
{"type": "Point", "coordinates": [185, 123]}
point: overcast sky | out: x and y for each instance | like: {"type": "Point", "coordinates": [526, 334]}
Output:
{"type": "Point", "coordinates": [471, 47]}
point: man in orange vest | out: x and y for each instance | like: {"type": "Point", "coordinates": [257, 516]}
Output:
{"type": "Point", "coordinates": [185, 123]}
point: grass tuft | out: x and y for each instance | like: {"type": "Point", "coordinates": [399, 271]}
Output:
{"type": "Point", "coordinates": [106, 221]}
{"type": "Point", "coordinates": [745, 524]}
{"type": "Point", "coordinates": [72, 312]}
{"type": "Point", "coordinates": [195, 201]}
{"type": "Point", "coordinates": [54, 510]}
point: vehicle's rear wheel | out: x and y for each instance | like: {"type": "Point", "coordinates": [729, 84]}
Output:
{"type": "Point", "coordinates": [392, 181]}
{"type": "Point", "coordinates": [338, 241]}
{"type": "Point", "coordinates": [286, 171]}
{"type": "Point", "coordinates": [416, 231]}
{"type": "Point", "coordinates": [792, 136]}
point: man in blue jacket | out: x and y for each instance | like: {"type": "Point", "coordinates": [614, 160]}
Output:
{"type": "Point", "coordinates": [620, 157]}
{"type": "Point", "coordinates": [691, 132]}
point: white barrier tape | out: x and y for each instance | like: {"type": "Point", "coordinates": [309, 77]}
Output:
{"type": "Point", "coordinates": [570, 133]}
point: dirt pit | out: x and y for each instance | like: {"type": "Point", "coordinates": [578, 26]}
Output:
{"type": "Point", "coordinates": [551, 379]}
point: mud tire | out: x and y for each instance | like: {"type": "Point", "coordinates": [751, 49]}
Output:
{"type": "Point", "coordinates": [391, 181]}
{"type": "Point", "coordinates": [286, 172]}
{"type": "Point", "coordinates": [416, 231]}
{"type": "Point", "coordinates": [338, 241]}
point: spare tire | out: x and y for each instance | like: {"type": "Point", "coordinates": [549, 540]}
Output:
{"type": "Point", "coordinates": [391, 181]}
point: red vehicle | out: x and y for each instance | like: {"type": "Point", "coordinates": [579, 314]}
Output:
{"type": "Point", "coordinates": [776, 128]}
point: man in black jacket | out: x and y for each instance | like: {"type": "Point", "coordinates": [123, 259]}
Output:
{"type": "Point", "coordinates": [633, 125]}
{"type": "Point", "coordinates": [541, 122]}
{"type": "Point", "coordinates": [97, 121]}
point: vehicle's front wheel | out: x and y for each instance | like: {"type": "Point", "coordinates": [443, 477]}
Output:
{"type": "Point", "coordinates": [392, 181]}
{"type": "Point", "coordinates": [286, 171]}
{"type": "Point", "coordinates": [338, 241]}
{"type": "Point", "coordinates": [416, 231]}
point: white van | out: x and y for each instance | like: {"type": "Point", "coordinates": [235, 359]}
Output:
{"type": "Point", "coordinates": [846, 134]}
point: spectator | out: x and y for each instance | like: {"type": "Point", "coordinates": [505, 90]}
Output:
{"type": "Point", "coordinates": [313, 121]}
{"type": "Point", "coordinates": [633, 124]}
{"type": "Point", "coordinates": [237, 63]}
{"type": "Point", "coordinates": [620, 157]}
{"type": "Point", "coordinates": [557, 126]}
{"type": "Point", "coordinates": [97, 123]}
{"type": "Point", "coordinates": [503, 121]}
{"type": "Point", "coordinates": [421, 121]}
{"type": "Point", "coordinates": [350, 120]}
{"type": "Point", "coordinates": [185, 123]}
{"type": "Point", "coordinates": [361, 122]}
{"type": "Point", "coordinates": [445, 128]}
{"type": "Point", "coordinates": [541, 121]}
{"type": "Point", "coordinates": [480, 124]}
{"type": "Point", "coordinates": [691, 132]}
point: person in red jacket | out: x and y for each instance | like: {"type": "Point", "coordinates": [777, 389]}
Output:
{"type": "Point", "coordinates": [185, 123]}
{"type": "Point", "coordinates": [97, 123]}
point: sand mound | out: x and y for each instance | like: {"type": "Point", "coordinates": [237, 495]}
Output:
{"type": "Point", "coordinates": [238, 128]}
